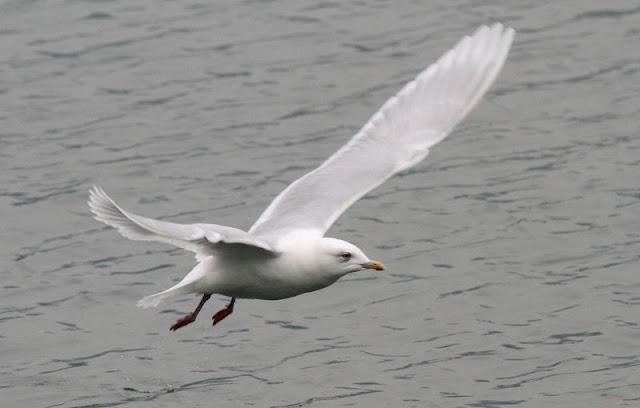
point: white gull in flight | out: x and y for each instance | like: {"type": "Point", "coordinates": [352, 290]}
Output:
{"type": "Point", "coordinates": [285, 253]}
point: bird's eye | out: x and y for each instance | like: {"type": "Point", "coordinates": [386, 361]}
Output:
{"type": "Point", "coordinates": [345, 256]}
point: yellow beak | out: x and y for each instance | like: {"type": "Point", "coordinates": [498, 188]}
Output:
{"type": "Point", "coordinates": [377, 265]}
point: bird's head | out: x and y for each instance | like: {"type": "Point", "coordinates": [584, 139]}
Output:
{"type": "Point", "coordinates": [343, 257]}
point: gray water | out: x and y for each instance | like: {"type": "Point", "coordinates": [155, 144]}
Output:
{"type": "Point", "coordinates": [512, 252]}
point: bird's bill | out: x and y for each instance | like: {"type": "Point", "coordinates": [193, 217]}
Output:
{"type": "Point", "coordinates": [377, 265]}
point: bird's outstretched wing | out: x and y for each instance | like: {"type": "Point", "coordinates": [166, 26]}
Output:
{"type": "Point", "coordinates": [203, 239]}
{"type": "Point", "coordinates": [397, 137]}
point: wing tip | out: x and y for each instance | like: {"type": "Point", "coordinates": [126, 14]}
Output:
{"type": "Point", "coordinates": [498, 28]}
{"type": "Point", "coordinates": [100, 204]}
{"type": "Point", "coordinates": [105, 210]}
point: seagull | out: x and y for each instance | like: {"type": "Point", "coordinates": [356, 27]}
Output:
{"type": "Point", "coordinates": [285, 253]}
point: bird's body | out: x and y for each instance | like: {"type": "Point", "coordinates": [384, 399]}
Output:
{"type": "Point", "coordinates": [285, 253]}
{"type": "Point", "coordinates": [265, 276]}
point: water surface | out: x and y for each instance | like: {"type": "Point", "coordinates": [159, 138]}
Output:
{"type": "Point", "coordinates": [512, 252]}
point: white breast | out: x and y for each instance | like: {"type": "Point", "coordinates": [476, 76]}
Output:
{"type": "Point", "coordinates": [297, 270]}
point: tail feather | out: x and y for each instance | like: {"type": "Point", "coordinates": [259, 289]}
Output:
{"type": "Point", "coordinates": [189, 284]}
{"type": "Point", "coordinates": [157, 298]}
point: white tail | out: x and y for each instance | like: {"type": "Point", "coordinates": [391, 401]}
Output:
{"type": "Point", "coordinates": [187, 285]}
{"type": "Point", "coordinates": [157, 298]}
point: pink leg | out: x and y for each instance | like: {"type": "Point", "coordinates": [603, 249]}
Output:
{"type": "Point", "coordinates": [191, 317]}
{"type": "Point", "coordinates": [221, 314]}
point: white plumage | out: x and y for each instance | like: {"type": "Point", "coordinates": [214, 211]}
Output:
{"type": "Point", "coordinates": [284, 254]}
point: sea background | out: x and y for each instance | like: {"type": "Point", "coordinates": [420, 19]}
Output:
{"type": "Point", "coordinates": [512, 252]}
